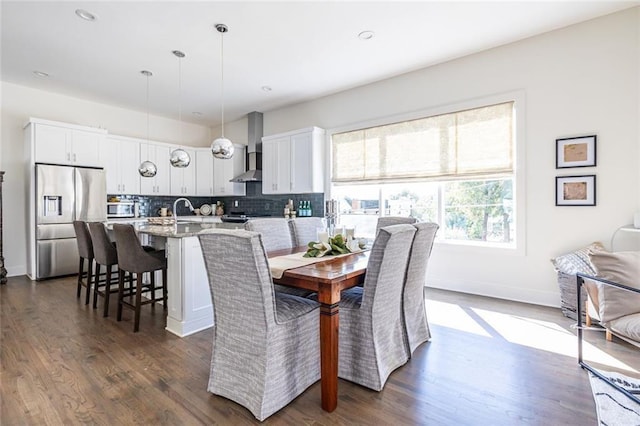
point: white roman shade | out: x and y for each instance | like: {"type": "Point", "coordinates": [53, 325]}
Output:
{"type": "Point", "coordinates": [465, 144]}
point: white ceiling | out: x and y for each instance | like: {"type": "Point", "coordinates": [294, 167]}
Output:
{"type": "Point", "coordinates": [302, 50]}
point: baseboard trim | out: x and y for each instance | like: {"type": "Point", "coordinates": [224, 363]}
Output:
{"type": "Point", "coordinates": [535, 297]}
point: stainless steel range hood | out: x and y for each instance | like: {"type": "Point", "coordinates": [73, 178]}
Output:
{"type": "Point", "coordinates": [254, 150]}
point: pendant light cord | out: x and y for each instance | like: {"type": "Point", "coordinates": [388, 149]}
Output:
{"type": "Point", "coordinates": [180, 99]}
{"type": "Point", "coordinates": [147, 107]}
{"type": "Point", "coordinates": [222, 77]}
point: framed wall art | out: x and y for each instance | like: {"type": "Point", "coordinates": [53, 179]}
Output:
{"type": "Point", "coordinates": [576, 190]}
{"type": "Point", "coordinates": [576, 152]}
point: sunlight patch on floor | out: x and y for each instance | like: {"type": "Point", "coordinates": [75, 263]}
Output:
{"type": "Point", "coordinates": [453, 316]}
{"type": "Point", "coordinates": [546, 336]}
{"type": "Point", "coordinates": [530, 332]}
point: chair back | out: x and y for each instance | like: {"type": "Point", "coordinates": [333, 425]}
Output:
{"type": "Point", "coordinates": [305, 229]}
{"type": "Point", "coordinates": [103, 249]}
{"type": "Point", "coordinates": [394, 220]}
{"type": "Point", "coordinates": [275, 232]}
{"type": "Point", "coordinates": [83, 238]}
{"type": "Point", "coordinates": [131, 255]}
{"type": "Point", "coordinates": [386, 271]}
{"type": "Point", "coordinates": [413, 300]}
{"type": "Point", "coordinates": [241, 286]}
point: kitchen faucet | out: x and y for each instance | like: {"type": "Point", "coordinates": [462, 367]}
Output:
{"type": "Point", "coordinates": [187, 203]}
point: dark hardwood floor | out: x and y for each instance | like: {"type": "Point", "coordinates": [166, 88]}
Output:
{"type": "Point", "coordinates": [490, 362]}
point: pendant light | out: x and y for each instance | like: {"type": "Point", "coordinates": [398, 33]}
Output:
{"type": "Point", "coordinates": [147, 168]}
{"type": "Point", "coordinates": [179, 157]}
{"type": "Point", "coordinates": [222, 147]}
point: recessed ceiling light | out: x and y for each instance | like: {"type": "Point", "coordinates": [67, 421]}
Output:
{"type": "Point", "coordinates": [366, 35]}
{"type": "Point", "coordinates": [266, 88]}
{"type": "Point", "coordinates": [41, 74]}
{"type": "Point", "coordinates": [87, 16]}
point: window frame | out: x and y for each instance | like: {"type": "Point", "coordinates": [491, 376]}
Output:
{"type": "Point", "coordinates": [519, 172]}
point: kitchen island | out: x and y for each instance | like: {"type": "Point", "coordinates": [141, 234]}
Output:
{"type": "Point", "coordinates": [189, 299]}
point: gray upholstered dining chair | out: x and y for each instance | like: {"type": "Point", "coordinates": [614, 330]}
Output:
{"type": "Point", "coordinates": [276, 236]}
{"type": "Point", "coordinates": [372, 342]}
{"type": "Point", "coordinates": [415, 316]}
{"type": "Point", "coordinates": [85, 252]}
{"type": "Point", "coordinates": [305, 229]}
{"type": "Point", "coordinates": [133, 258]}
{"type": "Point", "coordinates": [394, 220]}
{"type": "Point", "coordinates": [266, 345]}
{"type": "Point", "coordinates": [275, 232]}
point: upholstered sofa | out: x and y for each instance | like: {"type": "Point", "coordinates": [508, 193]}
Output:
{"type": "Point", "coordinates": [618, 309]}
{"type": "Point", "coordinates": [614, 308]}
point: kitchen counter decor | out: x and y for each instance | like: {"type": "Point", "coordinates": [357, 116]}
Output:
{"type": "Point", "coordinates": [164, 221]}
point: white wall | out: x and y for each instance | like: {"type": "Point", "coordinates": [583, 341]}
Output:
{"type": "Point", "coordinates": [579, 80]}
{"type": "Point", "coordinates": [19, 103]}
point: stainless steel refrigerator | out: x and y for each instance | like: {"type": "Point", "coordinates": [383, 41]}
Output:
{"type": "Point", "coordinates": [65, 194]}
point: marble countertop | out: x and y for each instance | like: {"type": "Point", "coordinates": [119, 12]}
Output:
{"type": "Point", "coordinates": [184, 229]}
{"type": "Point", "coordinates": [187, 226]}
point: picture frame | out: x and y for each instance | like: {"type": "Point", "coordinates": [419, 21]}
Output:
{"type": "Point", "coordinates": [578, 151]}
{"type": "Point", "coordinates": [576, 190]}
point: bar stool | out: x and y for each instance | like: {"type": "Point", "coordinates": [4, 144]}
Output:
{"type": "Point", "coordinates": [134, 259]}
{"type": "Point", "coordinates": [85, 251]}
{"type": "Point", "coordinates": [105, 255]}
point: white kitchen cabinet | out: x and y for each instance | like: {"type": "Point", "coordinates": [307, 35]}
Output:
{"type": "Point", "coordinates": [159, 155]}
{"type": "Point", "coordinates": [61, 143]}
{"type": "Point", "coordinates": [293, 162]}
{"type": "Point", "coordinates": [225, 170]}
{"type": "Point", "coordinates": [183, 179]}
{"type": "Point", "coordinates": [204, 172]}
{"type": "Point", "coordinates": [120, 157]}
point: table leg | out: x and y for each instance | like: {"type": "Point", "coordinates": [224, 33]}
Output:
{"type": "Point", "coordinates": [329, 332]}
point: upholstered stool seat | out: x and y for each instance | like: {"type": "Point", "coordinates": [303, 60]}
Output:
{"type": "Point", "coordinates": [132, 258]}
{"type": "Point", "coordinates": [106, 255]}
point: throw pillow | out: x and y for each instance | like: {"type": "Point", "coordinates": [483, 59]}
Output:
{"type": "Point", "coordinates": [577, 261]}
{"type": "Point", "coordinates": [621, 268]}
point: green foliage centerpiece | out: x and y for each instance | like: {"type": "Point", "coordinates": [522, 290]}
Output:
{"type": "Point", "coordinates": [334, 246]}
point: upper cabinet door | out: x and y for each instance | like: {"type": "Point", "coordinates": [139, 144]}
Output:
{"type": "Point", "coordinates": [120, 157]}
{"type": "Point", "coordinates": [225, 170]}
{"type": "Point", "coordinates": [85, 148]}
{"type": "Point", "coordinates": [61, 145]}
{"type": "Point", "coordinates": [204, 172]}
{"type": "Point", "coordinates": [159, 155]}
{"type": "Point", "coordinates": [183, 179]}
{"type": "Point", "coordinates": [51, 144]}
{"type": "Point", "coordinates": [293, 162]}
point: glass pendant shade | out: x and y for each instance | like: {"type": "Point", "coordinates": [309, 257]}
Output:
{"type": "Point", "coordinates": [147, 169]}
{"type": "Point", "coordinates": [180, 158]}
{"type": "Point", "coordinates": [222, 148]}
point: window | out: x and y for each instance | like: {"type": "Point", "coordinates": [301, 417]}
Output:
{"type": "Point", "coordinates": [456, 169]}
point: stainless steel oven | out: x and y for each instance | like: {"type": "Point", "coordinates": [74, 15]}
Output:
{"type": "Point", "coordinates": [121, 209]}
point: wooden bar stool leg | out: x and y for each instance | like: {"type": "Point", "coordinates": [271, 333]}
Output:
{"type": "Point", "coordinates": [80, 272]}
{"type": "Point", "coordinates": [89, 278]}
{"type": "Point", "coordinates": [96, 284]}
{"type": "Point", "coordinates": [152, 279]}
{"type": "Point", "coordinates": [107, 291]}
{"type": "Point", "coordinates": [136, 319]}
{"type": "Point", "coordinates": [120, 293]}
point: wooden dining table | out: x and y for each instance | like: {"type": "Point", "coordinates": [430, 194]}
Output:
{"type": "Point", "coordinates": [328, 278]}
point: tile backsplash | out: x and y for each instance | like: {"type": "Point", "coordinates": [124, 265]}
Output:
{"type": "Point", "coordinates": [254, 203]}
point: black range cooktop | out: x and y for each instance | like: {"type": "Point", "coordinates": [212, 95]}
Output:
{"type": "Point", "coordinates": [241, 217]}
